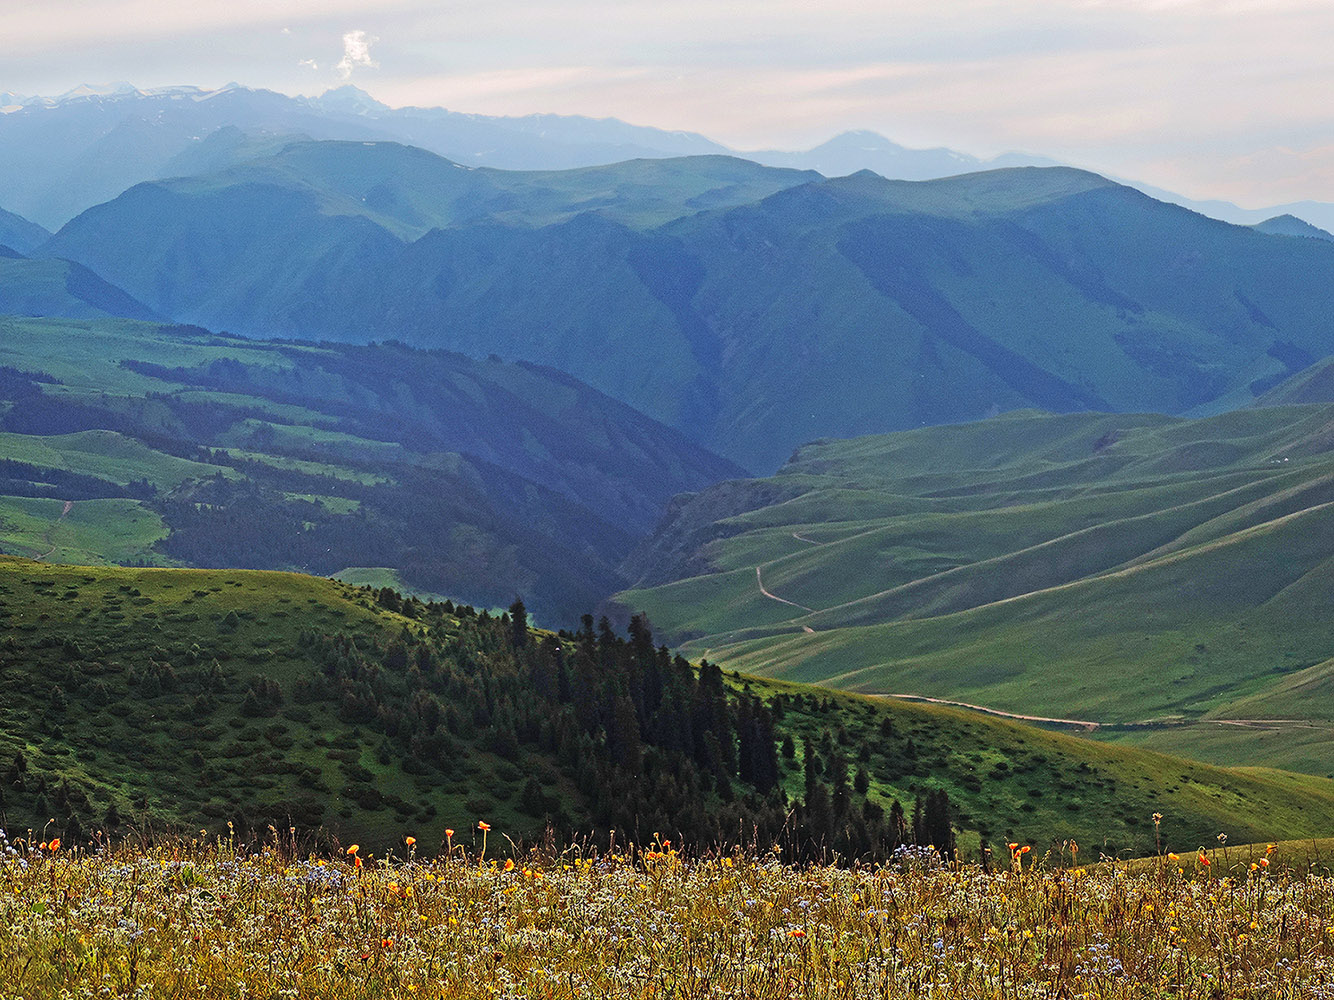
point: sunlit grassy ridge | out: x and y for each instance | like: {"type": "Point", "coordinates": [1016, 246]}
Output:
{"type": "Point", "coordinates": [184, 698]}
{"type": "Point", "coordinates": [1117, 568]}
{"type": "Point", "coordinates": [216, 920]}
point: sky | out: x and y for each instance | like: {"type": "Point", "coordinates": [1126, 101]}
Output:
{"type": "Point", "coordinates": [1209, 98]}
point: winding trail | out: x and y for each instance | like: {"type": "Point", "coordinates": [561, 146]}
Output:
{"type": "Point", "coordinates": [1086, 724]}
{"type": "Point", "coordinates": [1089, 725]}
{"type": "Point", "coordinates": [69, 504]}
{"type": "Point", "coordinates": [759, 580]}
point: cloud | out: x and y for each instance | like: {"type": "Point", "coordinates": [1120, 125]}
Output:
{"type": "Point", "coordinates": [356, 52]}
{"type": "Point", "coordinates": [308, 63]}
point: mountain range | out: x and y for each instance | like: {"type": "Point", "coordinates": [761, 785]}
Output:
{"type": "Point", "coordinates": [1007, 434]}
{"type": "Point", "coordinates": [61, 155]}
{"type": "Point", "coordinates": [55, 287]}
{"type": "Point", "coordinates": [752, 308]}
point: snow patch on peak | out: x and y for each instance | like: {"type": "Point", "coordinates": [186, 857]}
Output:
{"type": "Point", "coordinates": [85, 90]}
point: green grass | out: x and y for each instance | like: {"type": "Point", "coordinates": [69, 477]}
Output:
{"type": "Point", "coordinates": [335, 505]}
{"type": "Point", "coordinates": [86, 354]}
{"type": "Point", "coordinates": [117, 737]}
{"type": "Point", "coordinates": [378, 577]}
{"type": "Point", "coordinates": [307, 467]}
{"type": "Point", "coordinates": [1303, 746]}
{"type": "Point", "coordinates": [1111, 568]}
{"type": "Point", "coordinates": [103, 453]}
{"type": "Point", "coordinates": [94, 532]}
{"type": "Point", "coordinates": [142, 753]}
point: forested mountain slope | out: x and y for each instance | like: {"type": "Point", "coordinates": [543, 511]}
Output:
{"type": "Point", "coordinates": [157, 699]}
{"type": "Point", "coordinates": [485, 480]}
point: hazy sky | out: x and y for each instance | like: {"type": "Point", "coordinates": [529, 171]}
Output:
{"type": "Point", "coordinates": [1211, 98]}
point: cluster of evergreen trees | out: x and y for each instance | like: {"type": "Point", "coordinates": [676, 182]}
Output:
{"type": "Point", "coordinates": [597, 735]}
{"type": "Point", "coordinates": [644, 743]}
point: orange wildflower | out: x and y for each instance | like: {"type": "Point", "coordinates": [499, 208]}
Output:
{"type": "Point", "coordinates": [483, 826]}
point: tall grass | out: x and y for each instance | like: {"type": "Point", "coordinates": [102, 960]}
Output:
{"type": "Point", "coordinates": [215, 919]}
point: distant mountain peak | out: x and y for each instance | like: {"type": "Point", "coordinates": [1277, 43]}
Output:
{"type": "Point", "coordinates": [83, 90]}
{"type": "Point", "coordinates": [862, 138]}
{"type": "Point", "coordinates": [108, 92]}
{"type": "Point", "coordinates": [348, 99]}
{"type": "Point", "coordinates": [1290, 225]}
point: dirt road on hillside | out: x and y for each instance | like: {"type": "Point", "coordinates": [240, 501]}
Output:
{"type": "Point", "coordinates": [1075, 723]}
{"type": "Point", "coordinates": [1090, 725]}
{"type": "Point", "coordinates": [69, 504]}
{"type": "Point", "coordinates": [759, 580]}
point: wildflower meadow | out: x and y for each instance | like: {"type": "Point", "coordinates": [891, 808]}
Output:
{"type": "Point", "coordinates": [214, 918]}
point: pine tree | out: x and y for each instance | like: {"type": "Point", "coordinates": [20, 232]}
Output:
{"type": "Point", "coordinates": [862, 782]}
{"type": "Point", "coordinates": [518, 632]}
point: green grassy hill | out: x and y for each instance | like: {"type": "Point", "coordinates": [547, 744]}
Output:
{"type": "Point", "coordinates": [274, 223]}
{"type": "Point", "coordinates": [19, 234]}
{"type": "Point", "coordinates": [60, 288]}
{"type": "Point", "coordinates": [752, 309]}
{"type": "Point", "coordinates": [1290, 225]}
{"type": "Point", "coordinates": [1310, 385]}
{"type": "Point", "coordinates": [1111, 568]}
{"type": "Point", "coordinates": [193, 698]}
{"type": "Point", "coordinates": [478, 479]}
